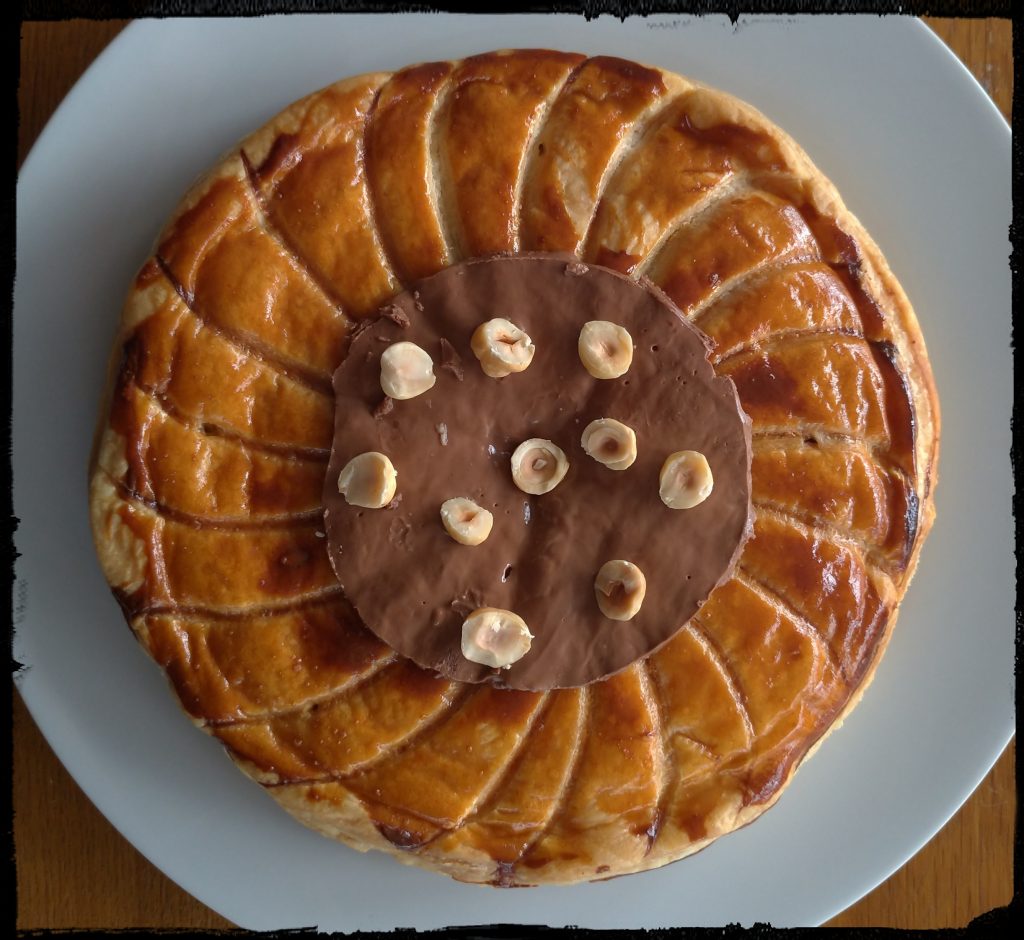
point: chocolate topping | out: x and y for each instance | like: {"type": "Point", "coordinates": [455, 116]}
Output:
{"type": "Point", "coordinates": [395, 314]}
{"type": "Point", "coordinates": [450, 359]}
{"type": "Point", "coordinates": [413, 585]}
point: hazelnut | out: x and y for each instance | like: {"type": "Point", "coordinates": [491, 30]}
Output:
{"type": "Point", "coordinates": [406, 371]}
{"type": "Point", "coordinates": [465, 521]}
{"type": "Point", "coordinates": [538, 466]}
{"type": "Point", "coordinates": [610, 442]}
{"type": "Point", "coordinates": [368, 480]}
{"type": "Point", "coordinates": [620, 587]}
{"type": "Point", "coordinates": [495, 637]}
{"type": "Point", "coordinates": [502, 348]}
{"type": "Point", "coordinates": [606, 349]}
{"type": "Point", "coordinates": [685, 480]}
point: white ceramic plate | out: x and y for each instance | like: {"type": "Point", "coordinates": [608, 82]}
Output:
{"type": "Point", "coordinates": [921, 156]}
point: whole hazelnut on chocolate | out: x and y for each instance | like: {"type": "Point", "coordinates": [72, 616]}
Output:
{"type": "Point", "coordinates": [605, 348]}
{"type": "Point", "coordinates": [610, 442]}
{"type": "Point", "coordinates": [685, 480]}
{"type": "Point", "coordinates": [368, 480]}
{"type": "Point", "coordinates": [465, 521]}
{"type": "Point", "coordinates": [538, 466]}
{"type": "Point", "coordinates": [406, 371]}
{"type": "Point", "coordinates": [620, 587]}
{"type": "Point", "coordinates": [495, 637]}
{"type": "Point", "coordinates": [501, 347]}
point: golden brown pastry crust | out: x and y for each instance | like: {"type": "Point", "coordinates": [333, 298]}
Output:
{"type": "Point", "coordinates": [213, 437]}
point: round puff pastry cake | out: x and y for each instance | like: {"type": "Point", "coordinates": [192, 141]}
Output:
{"type": "Point", "coordinates": [327, 229]}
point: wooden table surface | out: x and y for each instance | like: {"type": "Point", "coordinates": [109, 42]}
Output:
{"type": "Point", "coordinates": [75, 870]}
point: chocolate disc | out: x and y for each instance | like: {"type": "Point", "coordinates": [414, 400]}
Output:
{"type": "Point", "coordinates": [414, 585]}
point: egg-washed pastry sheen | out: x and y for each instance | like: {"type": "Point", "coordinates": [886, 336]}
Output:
{"type": "Point", "coordinates": [210, 459]}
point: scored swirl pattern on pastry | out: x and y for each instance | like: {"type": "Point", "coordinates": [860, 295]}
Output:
{"type": "Point", "coordinates": [211, 451]}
